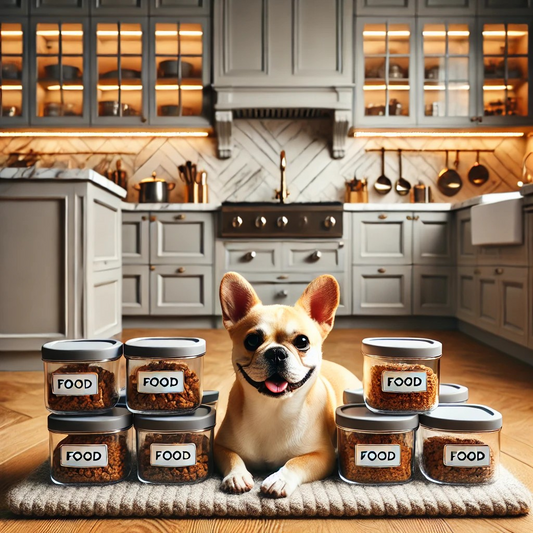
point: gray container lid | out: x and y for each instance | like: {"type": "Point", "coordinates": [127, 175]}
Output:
{"type": "Point", "coordinates": [210, 396]}
{"type": "Point", "coordinates": [358, 417]}
{"type": "Point", "coordinates": [460, 417]}
{"type": "Point", "coordinates": [203, 418]}
{"type": "Point", "coordinates": [407, 347]}
{"type": "Point", "coordinates": [82, 350]}
{"type": "Point", "coordinates": [452, 393]}
{"type": "Point", "coordinates": [114, 420]}
{"type": "Point", "coordinates": [167, 347]}
{"type": "Point", "coordinates": [353, 396]}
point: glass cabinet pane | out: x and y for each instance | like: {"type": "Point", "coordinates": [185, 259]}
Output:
{"type": "Point", "coordinates": [446, 69]}
{"type": "Point", "coordinates": [386, 78]}
{"type": "Point", "coordinates": [11, 49]}
{"type": "Point", "coordinates": [178, 69]}
{"type": "Point", "coordinates": [59, 56]}
{"type": "Point", "coordinates": [505, 67]}
{"type": "Point", "coordinates": [119, 66]}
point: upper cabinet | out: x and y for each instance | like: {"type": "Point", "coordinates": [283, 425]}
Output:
{"type": "Point", "coordinates": [13, 7]}
{"type": "Point", "coordinates": [59, 7]}
{"type": "Point", "coordinates": [380, 7]}
{"type": "Point", "coordinates": [119, 7]}
{"type": "Point", "coordinates": [505, 7]}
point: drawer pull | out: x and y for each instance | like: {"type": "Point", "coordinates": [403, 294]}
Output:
{"type": "Point", "coordinates": [250, 256]}
{"type": "Point", "coordinates": [181, 216]}
{"type": "Point", "coordinates": [144, 217]}
{"type": "Point", "coordinates": [283, 276]}
{"type": "Point", "coordinates": [383, 216]}
{"type": "Point", "coordinates": [498, 271]}
{"type": "Point", "coordinates": [409, 217]}
{"type": "Point", "coordinates": [180, 270]}
{"type": "Point", "coordinates": [417, 217]}
{"type": "Point", "coordinates": [152, 268]}
{"type": "Point", "coordinates": [315, 256]}
{"type": "Point", "coordinates": [283, 294]}
{"type": "Point", "coordinates": [341, 244]}
{"type": "Point", "coordinates": [153, 218]}
{"type": "Point", "coordinates": [381, 270]}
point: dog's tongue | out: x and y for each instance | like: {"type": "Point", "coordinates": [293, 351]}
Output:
{"type": "Point", "coordinates": [276, 386]}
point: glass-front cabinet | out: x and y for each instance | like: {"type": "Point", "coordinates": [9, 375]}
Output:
{"type": "Point", "coordinates": [13, 108]}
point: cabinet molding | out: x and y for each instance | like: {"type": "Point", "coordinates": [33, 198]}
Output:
{"type": "Point", "coordinates": [135, 290]}
{"type": "Point", "coordinates": [433, 290]}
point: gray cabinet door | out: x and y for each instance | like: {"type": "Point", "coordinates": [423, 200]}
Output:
{"type": "Point", "coordinates": [313, 257]}
{"type": "Point", "coordinates": [13, 7]}
{"type": "Point", "coordinates": [466, 296]}
{"type": "Point", "coordinates": [381, 290]}
{"type": "Point", "coordinates": [505, 7]}
{"type": "Point", "coordinates": [466, 251]}
{"type": "Point", "coordinates": [488, 300]}
{"type": "Point", "coordinates": [183, 291]}
{"type": "Point", "coordinates": [180, 7]}
{"type": "Point", "coordinates": [135, 290]}
{"type": "Point", "coordinates": [104, 303]}
{"type": "Point", "coordinates": [530, 308]}
{"type": "Point", "coordinates": [433, 290]}
{"type": "Point", "coordinates": [119, 7]}
{"type": "Point", "coordinates": [432, 239]}
{"type": "Point", "coordinates": [514, 296]}
{"type": "Point", "coordinates": [385, 7]}
{"type": "Point", "coordinates": [135, 238]}
{"type": "Point", "coordinates": [181, 238]}
{"type": "Point", "coordinates": [446, 7]}
{"type": "Point", "coordinates": [382, 238]}
{"type": "Point", "coordinates": [251, 256]}
{"type": "Point", "coordinates": [59, 7]}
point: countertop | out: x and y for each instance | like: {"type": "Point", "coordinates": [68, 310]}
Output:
{"type": "Point", "coordinates": [81, 174]}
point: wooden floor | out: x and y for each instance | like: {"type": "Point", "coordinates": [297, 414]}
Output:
{"type": "Point", "coordinates": [493, 379]}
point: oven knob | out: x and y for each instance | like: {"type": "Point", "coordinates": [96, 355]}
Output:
{"type": "Point", "coordinates": [282, 221]}
{"type": "Point", "coordinates": [329, 222]}
{"type": "Point", "coordinates": [236, 222]}
{"type": "Point", "coordinates": [260, 222]}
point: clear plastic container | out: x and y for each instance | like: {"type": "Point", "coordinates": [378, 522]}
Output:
{"type": "Point", "coordinates": [164, 374]}
{"type": "Point", "coordinates": [401, 375]}
{"type": "Point", "coordinates": [175, 449]}
{"type": "Point", "coordinates": [82, 376]}
{"type": "Point", "coordinates": [375, 449]}
{"type": "Point", "coordinates": [90, 450]}
{"type": "Point", "coordinates": [452, 393]}
{"type": "Point", "coordinates": [460, 444]}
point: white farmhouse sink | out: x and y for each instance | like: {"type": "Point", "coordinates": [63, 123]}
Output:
{"type": "Point", "coordinates": [498, 223]}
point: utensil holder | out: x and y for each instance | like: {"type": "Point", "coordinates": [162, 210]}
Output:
{"type": "Point", "coordinates": [191, 193]}
{"type": "Point", "coordinates": [356, 197]}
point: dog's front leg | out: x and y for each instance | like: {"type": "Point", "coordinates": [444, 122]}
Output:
{"type": "Point", "coordinates": [237, 479]}
{"type": "Point", "coordinates": [302, 469]}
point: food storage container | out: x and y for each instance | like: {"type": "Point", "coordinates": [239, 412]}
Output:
{"type": "Point", "coordinates": [81, 376]}
{"type": "Point", "coordinates": [401, 374]}
{"type": "Point", "coordinates": [452, 393]}
{"type": "Point", "coordinates": [353, 396]}
{"type": "Point", "coordinates": [375, 449]}
{"type": "Point", "coordinates": [175, 449]}
{"type": "Point", "coordinates": [210, 397]}
{"type": "Point", "coordinates": [89, 450]}
{"type": "Point", "coordinates": [164, 374]}
{"type": "Point", "coordinates": [460, 444]}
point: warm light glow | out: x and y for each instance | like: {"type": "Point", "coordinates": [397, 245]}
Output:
{"type": "Point", "coordinates": [391, 134]}
{"type": "Point", "coordinates": [176, 87]}
{"type": "Point", "coordinates": [121, 87]}
{"type": "Point", "coordinates": [174, 33]}
{"type": "Point", "coordinates": [450, 88]}
{"type": "Point", "coordinates": [55, 33]}
{"type": "Point", "coordinates": [103, 134]}
{"type": "Point", "coordinates": [520, 183]}
{"type": "Point", "coordinates": [497, 87]}
{"type": "Point", "coordinates": [11, 33]}
{"type": "Point", "coordinates": [383, 87]}
{"type": "Point", "coordinates": [11, 87]}
{"type": "Point", "coordinates": [451, 33]}
{"type": "Point", "coordinates": [510, 33]}
{"type": "Point", "coordinates": [66, 87]}
{"type": "Point", "coordinates": [114, 33]}
{"type": "Point", "coordinates": [392, 33]}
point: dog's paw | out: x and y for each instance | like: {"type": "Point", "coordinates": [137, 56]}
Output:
{"type": "Point", "coordinates": [238, 482]}
{"type": "Point", "coordinates": [280, 484]}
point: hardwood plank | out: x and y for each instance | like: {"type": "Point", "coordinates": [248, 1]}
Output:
{"type": "Point", "coordinates": [9, 417]}
{"type": "Point", "coordinates": [23, 392]}
{"type": "Point", "coordinates": [26, 434]}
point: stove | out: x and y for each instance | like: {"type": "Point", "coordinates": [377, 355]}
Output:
{"type": "Point", "coordinates": [270, 220]}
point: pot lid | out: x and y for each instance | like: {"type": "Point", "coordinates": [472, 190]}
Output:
{"type": "Point", "coordinates": [153, 178]}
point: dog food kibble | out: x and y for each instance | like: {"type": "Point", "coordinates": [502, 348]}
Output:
{"type": "Point", "coordinates": [459, 444]}
{"type": "Point", "coordinates": [401, 375]}
{"type": "Point", "coordinates": [82, 376]}
{"type": "Point", "coordinates": [175, 449]}
{"type": "Point", "coordinates": [373, 448]}
{"type": "Point", "coordinates": [90, 449]}
{"type": "Point", "coordinates": [164, 374]}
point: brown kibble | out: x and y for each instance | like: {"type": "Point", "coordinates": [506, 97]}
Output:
{"type": "Point", "coordinates": [409, 401]}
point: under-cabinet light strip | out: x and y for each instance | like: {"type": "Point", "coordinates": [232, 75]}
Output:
{"type": "Point", "coordinates": [11, 33]}
{"type": "Point", "coordinates": [109, 33]}
{"type": "Point", "coordinates": [369, 134]}
{"type": "Point", "coordinates": [497, 87]}
{"type": "Point", "coordinates": [451, 33]}
{"type": "Point", "coordinates": [383, 87]}
{"type": "Point", "coordinates": [10, 87]}
{"type": "Point", "coordinates": [124, 134]}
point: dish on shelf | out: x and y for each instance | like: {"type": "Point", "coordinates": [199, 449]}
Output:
{"type": "Point", "coordinates": [10, 111]}
{"type": "Point", "coordinates": [69, 72]}
{"type": "Point", "coordinates": [112, 108]}
{"type": "Point", "coordinates": [57, 109]}
{"type": "Point", "coordinates": [174, 111]}
{"type": "Point", "coordinates": [126, 74]}
{"type": "Point", "coordinates": [10, 71]}
{"type": "Point", "coordinates": [169, 69]}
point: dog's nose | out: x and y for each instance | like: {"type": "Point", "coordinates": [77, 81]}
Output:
{"type": "Point", "coordinates": [276, 355]}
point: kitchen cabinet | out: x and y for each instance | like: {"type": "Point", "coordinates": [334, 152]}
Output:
{"type": "Point", "coordinates": [251, 257]}
{"type": "Point", "coordinates": [465, 250]}
{"type": "Point", "coordinates": [466, 289]}
{"type": "Point", "coordinates": [433, 238]}
{"type": "Point", "coordinates": [180, 7]}
{"type": "Point", "coordinates": [104, 303]}
{"type": "Point", "coordinates": [13, 7]}
{"type": "Point", "coordinates": [390, 7]}
{"type": "Point", "coordinates": [135, 290]}
{"type": "Point", "coordinates": [382, 238]}
{"type": "Point", "coordinates": [530, 309]}
{"type": "Point", "coordinates": [384, 290]}
{"type": "Point", "coordinates": [184, 290]}
{"type": "Point", "coordinates": [313, 256]}
{"type": "Point", "coordinates": [119, 7]}
{"type": "Point", "coordinates": [135, 238]}
{"type": "Point", "coordinates": [446, 7]}
{"type": "Point", "coordinates": [488, 301]}
{"type": "Point", "coordinates": [59, 7]}
{"type": "Point", "coordinates": [505, 7]}
{"type": "Point", "coordinates": [433, 290]}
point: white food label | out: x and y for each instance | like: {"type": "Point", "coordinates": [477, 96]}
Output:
{"type": "Point", "coordinates": [466, 456]}
{"type": "Point", "coordinates": [84, 455]}
{"type": "Point", "coordinates": [377, 455]}
{"type": "Point", "coordinates": [74, 384]}
{"type": "Point", "coordinates": [403, 381]}
{"type": "Point", "coordinates": [172, 455]}
{"type": "Point", "coordinates": [160, 382]}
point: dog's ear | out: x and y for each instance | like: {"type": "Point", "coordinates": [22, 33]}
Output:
{"type": "Point", "coordinates": [237, 297]}
{"type": "Point", "coordinates": [320, 301]}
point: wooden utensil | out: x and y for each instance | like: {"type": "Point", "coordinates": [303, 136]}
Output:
{"type": "Point", "coordinates": [383, 184]}
{"type": "Point", "coordinates": [478, 174]}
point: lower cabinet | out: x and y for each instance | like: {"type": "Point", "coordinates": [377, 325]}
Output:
{"type": "Point", "coordinates": [381, 290]}
{"type": "Point", "coordinates": [514, 295]}
{"type": "Point", "coordinates": [135, 290]}
{"type": "Point", "coordinates": [433, 290]}
{"type": "Point", "coordinates": [104, 309]}
{"type": "Point", "coordinates": [466, 299]}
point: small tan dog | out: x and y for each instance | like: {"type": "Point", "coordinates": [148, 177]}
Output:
{"type": "Point", "coordinates": [280, 412]}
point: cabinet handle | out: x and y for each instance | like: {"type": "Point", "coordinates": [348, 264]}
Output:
{"type": "Point", "coordinates": [417, 217]}
{"type": "Point", "coordinates": [153, 218]}
{"type": "Point", "coordinates": [341, 244]}
{"type": "Point", "coordinates": [144, 217]}
{"type": "Point", "coordinates": [152, 268]}
{"type": "Point", "coordinates": [383, 216]}
{"type": "Point", "coordinates": [498, 271]}
{"type": "Point", "coordinates": [409, 217]}
{"type": "Point", "coordinates": [181, 216]}
{"type": "Point", "coordinates": [283, 294]}
{"type": "Point", "coordinates": [315, 256]}
{"type": "Point", "coordinates": [180, 270]}
{"type": "Point", "coordinates": [250, 256]}
{"type": "Point", "coordinates": [283, 276]}
{"type": "Point", "coordinates": [381, 270]}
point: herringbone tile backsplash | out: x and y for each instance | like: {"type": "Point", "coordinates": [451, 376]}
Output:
{"type": "Point", "coordinates": [253, 171]}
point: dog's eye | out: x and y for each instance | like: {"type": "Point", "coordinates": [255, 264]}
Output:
{"type": "Point", "coordinates": [252, 342]}
{"type": "Point", "coordinates": [301, 342]}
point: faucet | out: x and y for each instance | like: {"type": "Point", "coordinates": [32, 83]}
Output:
{"type": "Point", "coordinates": [282, 194]}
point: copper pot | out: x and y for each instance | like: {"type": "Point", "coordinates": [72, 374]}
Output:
{"type": "Point", "coordinates": [154, 190]}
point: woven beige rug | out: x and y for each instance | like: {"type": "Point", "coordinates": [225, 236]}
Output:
{"type": "Point", "coordinates": [38, 496]}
